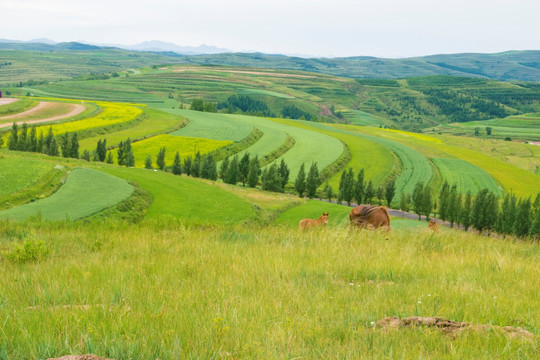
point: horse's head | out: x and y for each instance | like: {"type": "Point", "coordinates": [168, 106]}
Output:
{"type": "Point", "coordinates": [325, 218]}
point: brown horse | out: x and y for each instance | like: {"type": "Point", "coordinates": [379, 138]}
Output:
{"type": "Point", "coordinates": [370, 217]}
{"type": "Point", "coordinates": [309, 223]}
{"type": "Point", "coordinates": [432, 225]}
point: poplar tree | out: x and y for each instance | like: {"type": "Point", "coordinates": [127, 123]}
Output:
{"type": "Point", "coordinates": [313, 180]}
{"type": "Point", "coordinates": [380, 194]}
{"type": "Point", "coordinates": [148, 162]}
{"type": "Point", "coordinates": [390, 191]}
{"type": "Point", "coordinates": [32, 140]}
{"type": "Point", "coordinates": [405, 202]}
{"type": "Point", "coordinates": [109, 159]}
{"type": "Point", "coordinates": [74, 146]}
{"type": "Point", "coordinates": [270, 179]}
{"type": "Point", "coordinates": [300, 182]}
{"type": "Point", "coordinates": [370, 192]}
{"type": "Point", "coordinates": [196, 165]}
{"type": "Point", "coordinates": [187, 165]}
{"type": "Point", "coordinates": [346, 186]}
{"type": "Point", "coordinates": [22, 138]}
{"type": "Point", "coordinates": [48, 142]}
{"type": "Point", "coordinates": [14, 137]}
{"type": "Point", "coordinates": [254, 171]}
{"type": "Point", "coordinates": [53, 148]}
{"type": "Point", "coordinates": [418, 199]}
{"type": "Point", "coordinates": [359, 187]}
{"type": "Point", "coordinates": [160, 159]}
{"type": "Point", "coordinates": [177, 165]}
{"type": "Point", "coordinates": [427, 202]}
{"type": "Point", "coordinates": [223, 169]}
{"type": "Point", "coordinates": [465, 216]}
{"type": "Point", "coordinates": [65, 145]}
{"type": "Point", "coordinates": [284, 172]}
{"type": "Point", "coordinates": [443, 201]}
{"type": "Point", "coordinates": [523, 220]}
{"type": "Point", "coordinates": [243, 168]}
{"type": "Point", "coordinates": [232, 172]}
{"type": "Point", "coordinates": [85, 155]}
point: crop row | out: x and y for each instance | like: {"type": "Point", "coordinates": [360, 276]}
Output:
{"type": "Point", "coordinates": [466, 176]}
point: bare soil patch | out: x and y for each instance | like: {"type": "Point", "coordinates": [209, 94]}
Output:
{"type": "Point", "coordinates": [80, 357]}
{"type": "Point", "coordinates": [75, 109]}
{"type": "Point", "coordinates": [5, 101]}
{"type": "Point", "coordinates": [450, 327]}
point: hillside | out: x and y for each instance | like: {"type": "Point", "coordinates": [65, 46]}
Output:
{"type": "Point", "coordinates": [505, 66]}
{"type": "Point", "coordinates": [410, 104]}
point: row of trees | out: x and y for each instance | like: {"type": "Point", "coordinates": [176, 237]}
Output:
{"type": "Point", "coordinates": [519, 217]}
{"type": "Point", "coordinates": [356, 188]}
{"type": "Point", "coordinates": [310, 183]}
{"type": "Point", "coordinates": [25, 139]}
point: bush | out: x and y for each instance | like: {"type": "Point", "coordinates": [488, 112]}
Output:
{"type": "Point", "coordinates": [31, 250]}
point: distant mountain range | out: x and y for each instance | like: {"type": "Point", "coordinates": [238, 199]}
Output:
{"type": "Point", "coordinates": [153, 46]}
{"type": "Point", "coordinates": [505, 66]}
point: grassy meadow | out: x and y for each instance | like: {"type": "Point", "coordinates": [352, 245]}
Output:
{"type": "Point", "coordinates": [133, 263]}
{"type": "Point", "coordinates": [165, 290]}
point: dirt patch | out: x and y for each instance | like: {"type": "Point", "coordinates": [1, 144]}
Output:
{"type": "Point", "coordinates": [80, 357]}
{"type": "Point", "coordinates": [5, 101]}
{"type": "Point", "coordinates": [75, 109]}
{"type": "Point", "coordinates": [449, 327]}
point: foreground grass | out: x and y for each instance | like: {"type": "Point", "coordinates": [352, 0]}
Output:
{"type": "Point", "coordinates": [162, 290]}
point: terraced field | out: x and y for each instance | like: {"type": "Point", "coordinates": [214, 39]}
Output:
{"type": "Point", "coordinates": [19, 173]}
{"type": "Point", "coordinates": [521, 182]}
{"type": "Point", "coordinates": [377, 160]}
{"type": "Point", "coordinates": [212, 126]}
{"type": "Point", "coordinates": [190, 200]}
{"type": "Point", "coordinates": [186, 146]}
{"type": "Point", "coordinates": [96, 90]}
{"type": "Point", "coordinates": [517, 127]}
{"type": "Point", "coordinates": [85, 193]}
{"type": "Point", "coordinates": [154, 122]}
{"type": "Point", "coordinates": [112, 114]}
{"type": "Point", "coordinates": [235, 127]}
{"type": "Point", "coordinates": [466, 176]}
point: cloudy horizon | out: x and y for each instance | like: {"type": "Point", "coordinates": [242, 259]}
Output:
{"type": "Point", "coordinates": [381, 28]}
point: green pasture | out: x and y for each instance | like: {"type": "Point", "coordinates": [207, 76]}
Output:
{"type": "Point", "coordinates": [153, 122]}
{"type": "Point", "coordinates": [185, 199]}
{"type": "Point", "coordinates": [17, 107]}
{"type": "Point", "coordinates": [186, 146]}
{"type": "Point", "coordinates": [18, 173]}
{"type": "Point", "coordinates": [85, 193]}
{"type": "Point", "coordinates": [465, 176]}
{"type": "Point", "coordinates": [162, 290]}
{"type": "Point", "coordinates": [212, 126]}
{"type": "Point", "coordinates": [338, 215]}
{"type": "Point", "coordinates": [357, 117]}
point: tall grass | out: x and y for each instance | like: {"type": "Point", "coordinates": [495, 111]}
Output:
{"type": "Point", "coordinates": [163, 290]}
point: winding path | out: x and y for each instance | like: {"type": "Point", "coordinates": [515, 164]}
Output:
{"type": "Point", "coordinates": [76, 109]}
{"type": "Point", "coordinates": [5, 101]}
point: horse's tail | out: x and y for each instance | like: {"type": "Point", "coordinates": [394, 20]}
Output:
{"type": "Point", "coordinates": [387, 216]}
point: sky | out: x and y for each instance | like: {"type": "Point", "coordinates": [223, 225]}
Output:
{"type": "Point", "coordinates": [381, 28]}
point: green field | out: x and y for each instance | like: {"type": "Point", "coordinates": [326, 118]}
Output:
{"type": "Point", "coordinates": [465, 176]}
{"type": "Point", "coordinates": [164, 290]}
{"type": "Point", "coordinates": [192, 201]}
{"type": "Point", "coordinates": [376, 159]}
{"type": "Point", "coordinates": [85, 193]}
{"type": "Point", "coordinates": [186, 146]}
{"type": "Point", "coordinates": [212, 126]}
{"type": "Point", "coordinates": [19, 173]}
